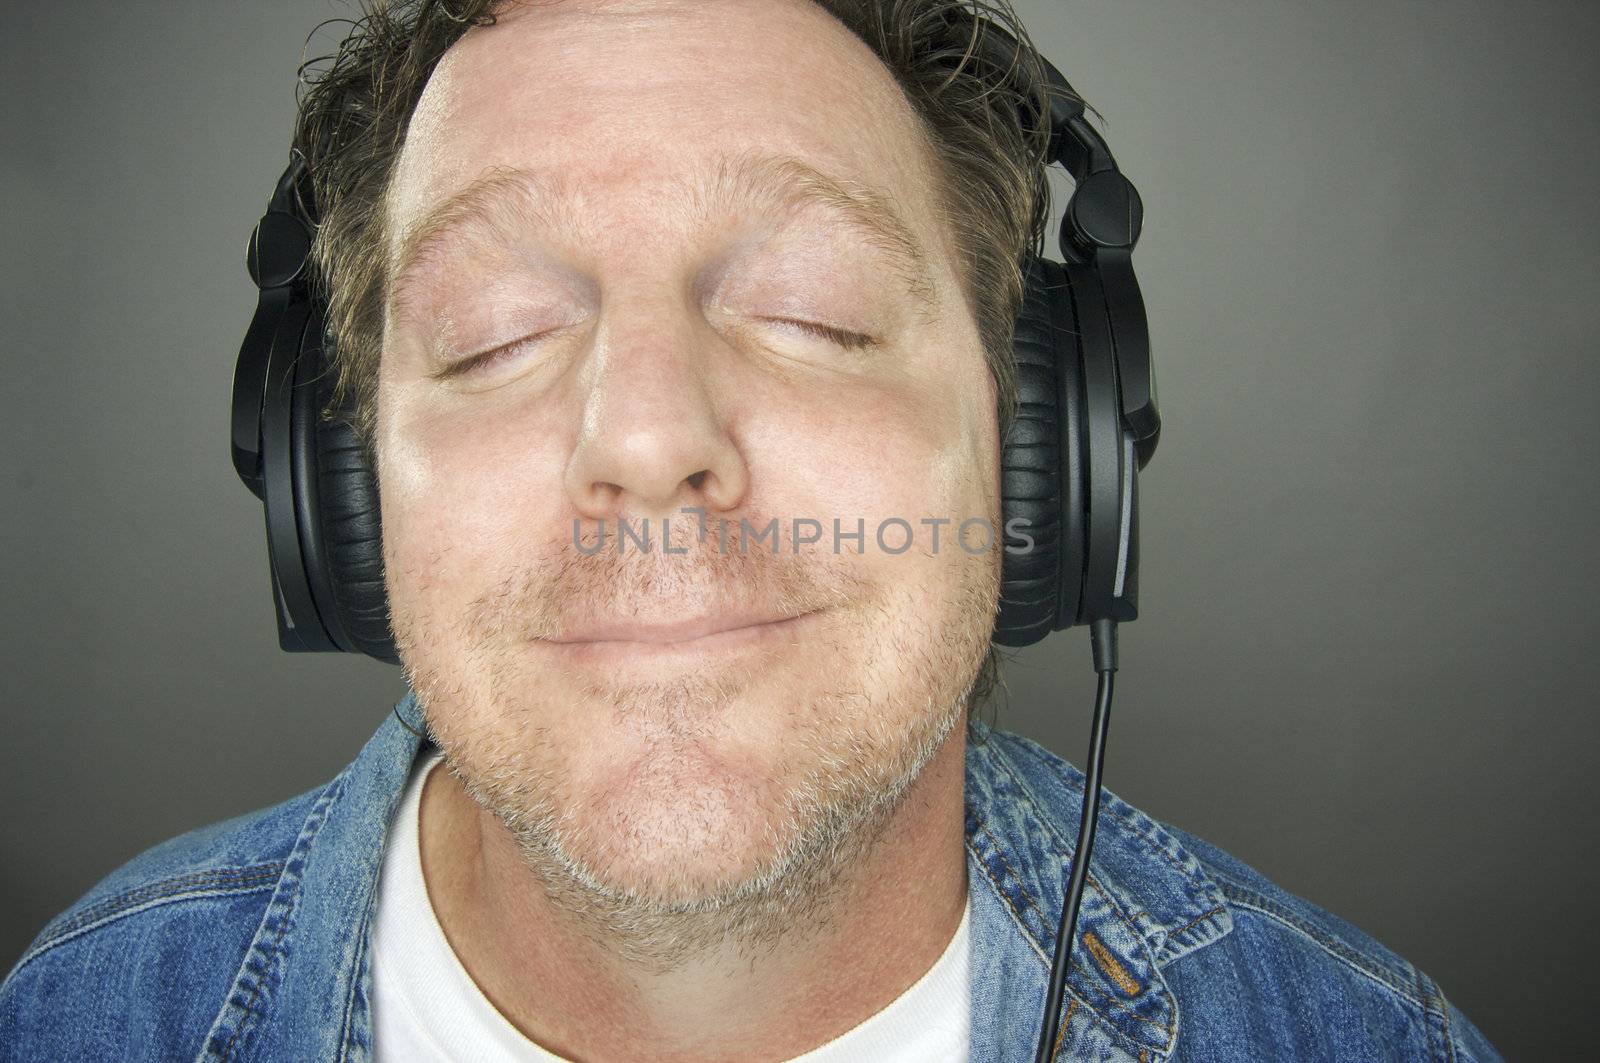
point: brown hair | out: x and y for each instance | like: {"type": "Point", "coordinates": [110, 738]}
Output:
{"type": "Point", "coordinates": [356, 104]}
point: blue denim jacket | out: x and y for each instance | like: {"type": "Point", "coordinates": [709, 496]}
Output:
{"type": "Point", "coordinates": [248, 939]}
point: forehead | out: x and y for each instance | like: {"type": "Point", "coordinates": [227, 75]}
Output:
{"type": "Point", "coordinates": [622, 98]}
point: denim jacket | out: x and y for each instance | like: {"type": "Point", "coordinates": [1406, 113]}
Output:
{"type": "Point", "coordinates": [249, 939]}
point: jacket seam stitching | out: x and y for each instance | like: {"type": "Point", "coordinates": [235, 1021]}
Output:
{"type": "Point", "coordinates": [1073, 999]}
{"type": "Point", "coordinates": [1196, 921]}
{"type": "Point", "coordinates": [1449, 1035]}
{"type": "Point", "coordinates": [1169, 936]}
{"type": "Point", "coordinates": [1138, 935]}
{"type": "Point", "coordinates": [294, 869]}
{"type": "Point", "coordinates": [134, 895]}
{"type": "Point", "coordinates": [255, 988]}
{"type": "Point", "coordinates": [1090, 876]}
{"type": "Point", "coordinates": [363, 937]}
{"type": "Point", "coordinates": [1061, 1033]}
{"type": "Point", "coordinates": [1016, 916]}
{"type": "Point", "coordinates": [1108, 1000]}
{"type": "Point", "coordinates": [1133, 826]}
{"type": "Point", "coordinates": [1136, 829]}
{"type": "Point", "coordinates": [1000, 855]}
{"type": "Point", "coordinates": [1431, 994]}
{"type": "Point", "coordinates": [129, 905]}
{"type": "Point", "coordinates": [1350, 957]}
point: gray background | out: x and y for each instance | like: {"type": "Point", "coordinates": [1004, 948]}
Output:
{"type": "Point", "coordinates": [1365, 660]}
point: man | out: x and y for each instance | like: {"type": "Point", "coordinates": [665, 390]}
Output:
{"type": "Point", "coordinates": [689, 266]}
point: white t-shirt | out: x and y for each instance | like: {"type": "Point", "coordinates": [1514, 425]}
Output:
{"type": "Point", "coordinates": [427, 1008]}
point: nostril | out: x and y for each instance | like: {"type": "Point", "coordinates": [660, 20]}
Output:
{"type": "Point", "coordinates": [697, 480]}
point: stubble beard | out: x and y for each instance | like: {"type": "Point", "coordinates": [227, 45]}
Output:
{"type": "Point", "coordinates": [867, 750]}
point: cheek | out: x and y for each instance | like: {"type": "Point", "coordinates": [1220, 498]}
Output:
{"type": "Point", "coordinates": [917, 444]}
{"type": "Point", "coordinates": [876, 451]}
{"type": "Point", "coordinates": [459, 499]}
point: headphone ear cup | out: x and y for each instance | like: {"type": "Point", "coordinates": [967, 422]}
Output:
{"type": "Point", "coordinates": [1041, 466]}
{"type": "Point", "coordinates": [349, 527]}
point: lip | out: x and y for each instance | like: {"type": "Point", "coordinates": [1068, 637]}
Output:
{"type": "Point", "coordinates": [694, 635]}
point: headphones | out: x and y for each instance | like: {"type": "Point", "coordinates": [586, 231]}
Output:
{"type": "Point", "coordinates": [1086, 416]}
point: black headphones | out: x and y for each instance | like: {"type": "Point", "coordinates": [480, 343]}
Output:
{"type": "Point", "coordinates": [1086, 418]}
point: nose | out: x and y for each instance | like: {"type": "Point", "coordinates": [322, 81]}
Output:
{"type": "Point", "coordinates": [654, 435]}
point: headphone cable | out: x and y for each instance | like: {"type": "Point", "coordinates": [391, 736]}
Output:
{"type": "Point", "coordinates": [1103, 641]}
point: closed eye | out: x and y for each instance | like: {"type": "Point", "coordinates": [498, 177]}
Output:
{"type": "Point", "coordinates": [850, 341]}
{"type": "Point", "coordinates": [476, 362]}
{"type": "Point", "coordinates": [843, 337]}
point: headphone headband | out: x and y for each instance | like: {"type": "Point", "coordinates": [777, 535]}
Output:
{"type": "Point", "coordinates": [278, 259]}
{"type": "Point", "coordinates": [1102, 220]}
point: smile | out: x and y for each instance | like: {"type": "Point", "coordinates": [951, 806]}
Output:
{"type": "Point", "coordinates": [714, 634]}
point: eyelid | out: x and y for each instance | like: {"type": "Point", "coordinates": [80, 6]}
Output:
{"type": "Point", "coordinates": [845, 338]}
{"type": "Point", "coordinates": [467, 364]}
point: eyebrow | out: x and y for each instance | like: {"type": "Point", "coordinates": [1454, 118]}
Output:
{"type": "Point", "coordinates": [505, 200]}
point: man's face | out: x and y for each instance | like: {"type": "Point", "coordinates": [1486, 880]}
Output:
{"type": "Point", "coordinates": [629, 203]}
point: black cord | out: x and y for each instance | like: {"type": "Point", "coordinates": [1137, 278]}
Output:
{"type": "Point", "coordinates": [425, 738]}
{"type": "Point", "coordinates": [1103, 638]}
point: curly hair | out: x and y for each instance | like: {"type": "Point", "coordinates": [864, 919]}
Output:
{"type": "Point", "coordinates": [989, 151]}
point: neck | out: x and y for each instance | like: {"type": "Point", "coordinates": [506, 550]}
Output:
{"type": "Point", "coordinates": [881, 926]}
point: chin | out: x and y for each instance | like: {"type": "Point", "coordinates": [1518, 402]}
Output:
{"type": "Point", "coordinates": [679, 803]}
{"type": "Point", "coordinates": [675, 841]}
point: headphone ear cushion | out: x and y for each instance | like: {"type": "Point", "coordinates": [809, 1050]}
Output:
{"type": "Point", "coordinates": [351, 528]}
{"type": "Point", "coordinates": [1040, 583]}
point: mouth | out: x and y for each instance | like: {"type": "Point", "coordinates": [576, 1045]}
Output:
{"type": "Point", "coordinates": [618, 640]}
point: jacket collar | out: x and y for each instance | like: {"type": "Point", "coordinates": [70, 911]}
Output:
{"type": "Point", "coordinates": [304, 990]}
{"type": "Point", "coordinates": [1148, 902]}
